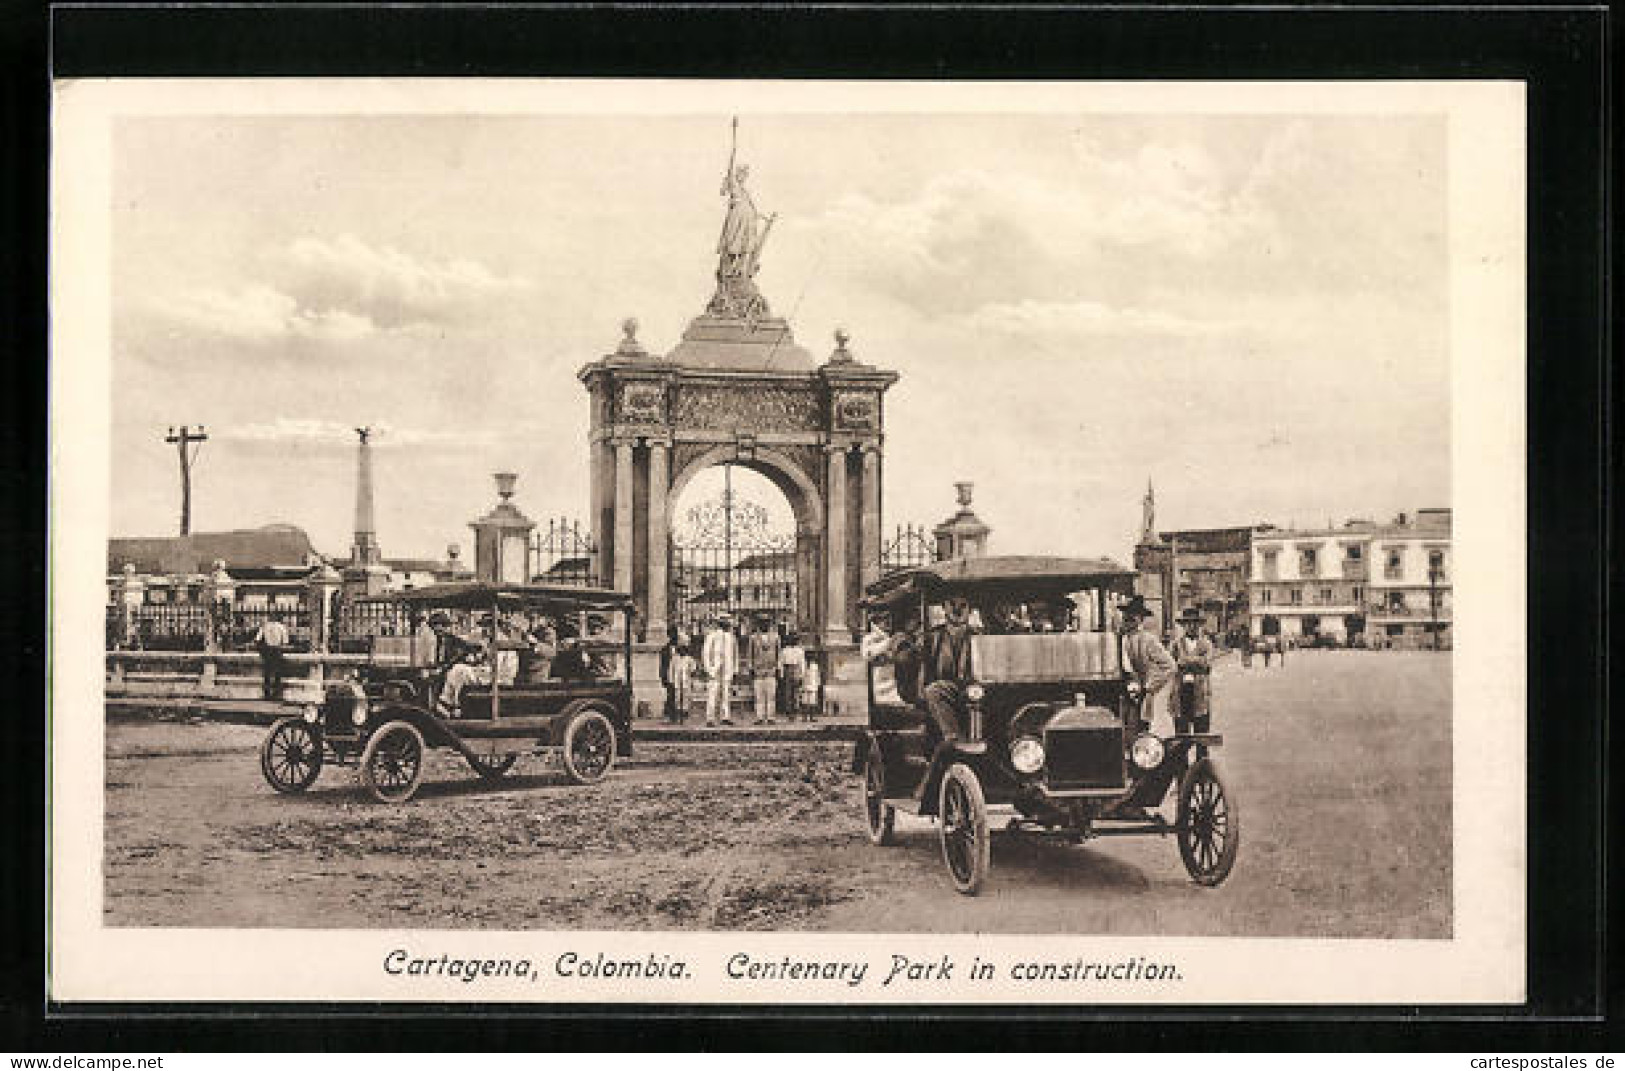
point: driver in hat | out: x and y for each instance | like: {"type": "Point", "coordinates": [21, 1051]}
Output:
{"type": "Point", "coordinates": [1145, 658]}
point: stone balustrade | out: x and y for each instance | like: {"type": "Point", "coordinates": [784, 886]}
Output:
{"type": "Point", "coordinates": [225, 675]}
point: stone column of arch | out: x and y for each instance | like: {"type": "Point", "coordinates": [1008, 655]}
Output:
{"type": "Point", "coordinates": [836, 629]}
{"type": "Point", "coordinates": [659, 536]}
{"type": "Point", "coordinates": [623, 515]}
{"type": "Point", "coordinates": [869, 570]}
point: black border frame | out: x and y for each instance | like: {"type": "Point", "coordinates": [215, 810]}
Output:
{"type": "Point", "coordinates": [1564, 54]}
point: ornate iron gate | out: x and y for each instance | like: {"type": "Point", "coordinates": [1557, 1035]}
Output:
{"type": "Point", "coordinates": [726, 559]}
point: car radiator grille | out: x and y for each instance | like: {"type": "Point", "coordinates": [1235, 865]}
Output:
{"type": "Point", "coordinates": [1084, 758]}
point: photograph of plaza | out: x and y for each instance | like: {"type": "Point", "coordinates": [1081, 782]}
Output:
{"type": "Point", "coordinates": [695, 520]}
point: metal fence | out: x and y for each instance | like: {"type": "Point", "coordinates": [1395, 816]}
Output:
{"type": "Point", "coordinates": [355, 622]}
{"type": "Point", "coordinates": [190, 626]}
{"type": "Point", "coordinates": [564, 553]}
{"type": "Point", "coordinates": [909, 548]}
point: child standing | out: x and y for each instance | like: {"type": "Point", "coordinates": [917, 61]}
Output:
{"type": "Point", "coordinates": [811, 687]}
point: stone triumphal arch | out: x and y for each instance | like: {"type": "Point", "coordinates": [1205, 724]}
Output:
{"type": "Point", "coordinates": [738, 389]}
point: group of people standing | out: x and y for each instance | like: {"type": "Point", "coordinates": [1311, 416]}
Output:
{"type": "Point", "coordinates": [784, 680]}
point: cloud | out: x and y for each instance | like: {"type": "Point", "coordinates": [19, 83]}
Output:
{"type": "Point", "coordinates": [387, 286]}
{"type": "Point", "coordinates": [340, 290]}
{"type": "Point", "coordinates": [318, 432]}
{"type": "Point", "coordinates": [258, 313]}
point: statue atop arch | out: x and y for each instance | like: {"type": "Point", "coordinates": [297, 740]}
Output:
{"type": "Point", "coordinates": [739, 247]}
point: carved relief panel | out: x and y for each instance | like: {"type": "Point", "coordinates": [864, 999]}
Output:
{"type": "Point", "coordinates": [766, 408]}
{"type": "Point", "coordinates": [642, 403]}
{"type": "Point", "coordinates": [855, 410]}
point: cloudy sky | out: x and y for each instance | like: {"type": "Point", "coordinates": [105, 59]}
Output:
{"type": "Point", "coordinates": [1249, 310]}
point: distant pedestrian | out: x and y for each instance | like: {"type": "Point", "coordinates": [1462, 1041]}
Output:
{"type": "Point", "coordinates": [764, 669]}
{"type": "Point", "coordinates": [669, 655]}
{"type": "Point", "coordinates": [721, 658]}
{"type": "Point", "coordinates": [272, 641]}
{"type": "Point", "coordinates": [792, 671]}
{"type": "Point", "coordinates": [811, 690]}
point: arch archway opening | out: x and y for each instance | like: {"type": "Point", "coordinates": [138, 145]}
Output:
{"type": "Point", "coordinates": [740, 546]}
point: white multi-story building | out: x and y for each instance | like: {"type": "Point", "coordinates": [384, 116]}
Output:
{"type": "Point", "coordinates": [1365, 583]}
{"type": "Point", "coordinates": [1409, 594]}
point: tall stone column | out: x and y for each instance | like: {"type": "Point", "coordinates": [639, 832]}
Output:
{"type": "Point", "coordinates": [658, 540]}
{"type": "Point", "coordinates": [623, 516]}
{"type": "Point", "coordinates": [595, 508]}
{"type": "Point", "coordinates": [836, 629]}
{"type": "Point", "coordinates": [869, 571]}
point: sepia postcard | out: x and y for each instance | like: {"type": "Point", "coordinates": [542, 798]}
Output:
{"type": "Point", "coordinates": [696, 542]}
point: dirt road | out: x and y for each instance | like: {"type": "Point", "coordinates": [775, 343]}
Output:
{"type": "Point", "coordinates": [1339, 761]}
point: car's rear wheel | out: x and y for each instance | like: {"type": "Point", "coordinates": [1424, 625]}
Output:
{"type": "Point", "coordinates": [392, 764]}
{"type": "Point", "coordinates": [962, 828]}
{"type": "Point", "coordinates": [291, 756]}
{"type": "Point", "coordinates": [589, 747]}
{"type": "Point", "coordinates": [492, 765]}
{"type": "Point", "coordinates": [1208, 824]}
{"type": "Point", "coordinates": [878, 814]}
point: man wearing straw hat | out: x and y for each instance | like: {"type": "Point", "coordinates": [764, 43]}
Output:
{"type": "Point", "coordinates": [1193, 652]}
{"type": "Point", "coordinates": [1144, 656]}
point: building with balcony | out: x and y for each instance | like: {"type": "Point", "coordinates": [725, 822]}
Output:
{"type": "Point", "coordinates": [1362, 583]}
{"type": "Point", "coordinates": [1409, 595]}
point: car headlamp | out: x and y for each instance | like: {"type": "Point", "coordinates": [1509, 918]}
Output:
{"type": "Point", "coordinates": [1027, 754]}
{"type": "Point", "coordinates": [1134, 688]}
{"type": "Point", "coordinates": [975, 692]}
{"type": "Point", "coordinates": [1147, 751]}
{"type": "Point", "coordinates": [310, 715]}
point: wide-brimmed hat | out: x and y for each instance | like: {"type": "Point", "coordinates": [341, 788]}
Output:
{"type": "Point", "coordinates": [1136, 607]}
{"type": "Point", "coordinates": [1190, 614]}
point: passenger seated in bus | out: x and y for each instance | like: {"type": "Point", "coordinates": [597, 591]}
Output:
{"type": "Point", "coordinates": [576, 662]}
{"type": "Point", "coordinates": [542, 647]}
{"type": "Point", "coordinates": [473, 668]}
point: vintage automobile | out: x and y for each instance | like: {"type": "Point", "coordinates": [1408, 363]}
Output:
{"type": "Point", "coordinates": [1052, 727]}
{"type": "Point", "coordinates": [382, 722]}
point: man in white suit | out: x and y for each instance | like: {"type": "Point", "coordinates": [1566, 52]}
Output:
{"type": "Point", "coordinates": [721, 658]}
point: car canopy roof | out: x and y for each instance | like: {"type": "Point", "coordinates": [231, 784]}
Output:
{"type": "Point", "coordinates": [482, 595]}
{"type": "Point", "coordinates": [1009, 574]}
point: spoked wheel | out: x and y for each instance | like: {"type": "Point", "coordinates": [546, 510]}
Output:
{"type": "Point", "coordinates": [1209, 827]}
{"type": "Point", "coordinates": [392, 764]}
{"type": "Point", "coordinates": [879, 815]}
{"type": "Point", "coordinates": [589, 747]}
{"type": "Point", "coordinates": [491, 765]}
{"type": "Point", "coordinates": [962, 814]}
{"type": "Point", "coordinates": [291, 756]}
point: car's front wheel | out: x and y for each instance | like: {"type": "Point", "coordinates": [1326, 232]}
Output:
{"type": "Point", "coordinates": [589, 747]}
{"type": "Point", "coordinates": [878, 814]}
{"type": "Point", "coordinates": [962, 828]}
{"type": "Point", "coordinates": [392, 764]}
{"type": "Point", "coordinates": [1209, 826]}
{"type": "Point", "coordinates": [291, 756]}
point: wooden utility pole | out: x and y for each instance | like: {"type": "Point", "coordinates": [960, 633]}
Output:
{"type": "Point", "coordinates": [187, 442]}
